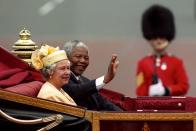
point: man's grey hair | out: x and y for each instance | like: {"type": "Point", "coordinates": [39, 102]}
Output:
{"type": "Point", "coordinates": [70, 45]}
{"type": "Point", "coordinates": [48, 70]}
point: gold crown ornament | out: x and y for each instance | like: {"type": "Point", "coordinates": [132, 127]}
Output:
{"type": "Point", "coordinates": [24, 47]}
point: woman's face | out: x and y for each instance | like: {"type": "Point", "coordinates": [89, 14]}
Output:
{"type": "Point", "coordinates": [159, 44]}
{"type": "Point", "coordinates": [61, 74]}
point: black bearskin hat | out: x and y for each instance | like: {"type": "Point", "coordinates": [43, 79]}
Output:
{"type": "Point", "coordinates": [158, 22]}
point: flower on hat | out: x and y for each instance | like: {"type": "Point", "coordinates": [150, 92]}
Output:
{"type": "Point", "coordinates": [47, 50]}
{"type": "Point", "coordinates": [39, 54]}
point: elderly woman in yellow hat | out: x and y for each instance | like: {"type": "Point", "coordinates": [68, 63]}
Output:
{"type": "Point", "coordinates": [55, 67]}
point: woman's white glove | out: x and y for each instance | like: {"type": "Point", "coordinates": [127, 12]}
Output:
{"type": "Point", "coordinates": [157, 89]}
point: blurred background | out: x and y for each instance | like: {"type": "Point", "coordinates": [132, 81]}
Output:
{"type": "Point", "coordinates": [106, 26]}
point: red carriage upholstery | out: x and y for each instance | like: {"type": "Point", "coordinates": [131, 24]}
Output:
{"type": "Point", "coordinates": [18, 76]}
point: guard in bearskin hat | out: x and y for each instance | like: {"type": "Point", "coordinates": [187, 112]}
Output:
{"type": "Point", "coordinates": [160, 74]}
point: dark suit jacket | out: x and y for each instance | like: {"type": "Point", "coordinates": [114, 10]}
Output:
{"type": "Point", "coordinates": [85, 94]}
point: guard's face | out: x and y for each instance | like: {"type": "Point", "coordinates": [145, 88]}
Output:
{"type": "Point", "coordinates": [79, 60]}
{"type": "Point", "coordinates": [159, 44]}
{"type": "Point", "coordinates": [61, 74]}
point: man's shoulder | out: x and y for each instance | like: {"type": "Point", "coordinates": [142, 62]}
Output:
{"type": "Point", "coordinates": [146, 59]}
{"type": "Point", "coordinates": [174, 58]}
{"type": "Point", "coordinates": [73, 80]}
{"type": "Point", "coordinates": [85, 79]}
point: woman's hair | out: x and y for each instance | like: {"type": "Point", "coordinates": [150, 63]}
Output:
{"type": "Point", "coordinates": [70, 45]}
{"type": "Point", "coordinates": [48, 70]}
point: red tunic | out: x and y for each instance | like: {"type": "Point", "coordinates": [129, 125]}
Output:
{"type": "Point", "coordinates": [171, 71]}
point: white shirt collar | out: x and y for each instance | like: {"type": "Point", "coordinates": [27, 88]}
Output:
{"type": "Point", "coordinates": [77, 77]}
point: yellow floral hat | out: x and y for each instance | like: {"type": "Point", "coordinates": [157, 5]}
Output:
{"type": "Point", "coordinates": [46, 56]}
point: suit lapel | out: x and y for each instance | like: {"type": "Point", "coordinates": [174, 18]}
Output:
{"type": "Point", "coordinates": [73, 78]}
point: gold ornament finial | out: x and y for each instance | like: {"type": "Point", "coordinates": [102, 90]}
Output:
{"type": "Point", "coordinates": [25, 34]}
{"type": "Point", "coordinates": [24, 47]}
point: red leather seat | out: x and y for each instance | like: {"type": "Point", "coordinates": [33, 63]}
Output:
{"type": "Point", "coordinates": [17, 76]}
{"type": "Point", "coordinates": [29, 89]}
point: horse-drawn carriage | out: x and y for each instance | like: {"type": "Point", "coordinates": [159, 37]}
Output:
{"type": "Point", "coordinates": [21, 110]}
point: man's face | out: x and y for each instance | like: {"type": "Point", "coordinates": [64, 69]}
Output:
{"type": "Point", "coordinates": [79, 60]}
{"type": "Point", "coordinates": [159, 44]}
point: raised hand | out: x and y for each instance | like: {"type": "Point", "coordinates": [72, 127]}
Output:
{"type": "Point", "coordinates": [112, 69]}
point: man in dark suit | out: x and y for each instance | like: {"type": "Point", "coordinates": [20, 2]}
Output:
{"type": "Point", "coordinates": [81, 89]}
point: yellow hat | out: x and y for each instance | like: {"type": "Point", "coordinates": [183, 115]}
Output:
{"type": "Point", "coordinates": [46, 56]}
